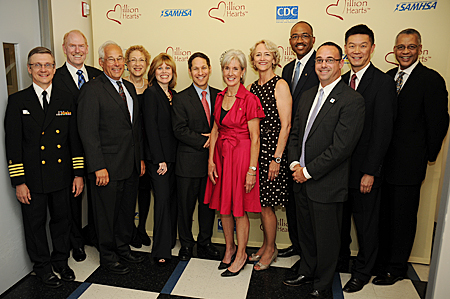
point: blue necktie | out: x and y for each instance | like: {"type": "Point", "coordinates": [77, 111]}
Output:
{"type": "Point", "coordinates": [296, 76]}
{"type": "Point", "coordinates": [81, 79]}
{"type": "Point", "coordinates": [309, 125]}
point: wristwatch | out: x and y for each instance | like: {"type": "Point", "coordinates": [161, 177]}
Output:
{"type": "Point", "coordinates": [252, 168]}
{"type": "Point", "coordinates": [277, 160]}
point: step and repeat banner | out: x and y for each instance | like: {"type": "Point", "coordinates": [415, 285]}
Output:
{"type": "Point", "coordinates": [180, 28]}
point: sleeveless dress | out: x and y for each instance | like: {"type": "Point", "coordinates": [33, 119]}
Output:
{"type": "Point", "coordinates": [272, 193]}
{"type": "Point", "coordinates": [232, 157]}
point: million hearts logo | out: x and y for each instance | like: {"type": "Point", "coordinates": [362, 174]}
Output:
{"type": "Point", "coordinates": [122, 12]}
{"type": "Point", "coordinates": [225, 10]}
{"type": "Point", "coordinates": [347, 7]}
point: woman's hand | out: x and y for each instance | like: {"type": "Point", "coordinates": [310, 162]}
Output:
{"type": "Point", "coordinates": [250, 181]}
{"type": "Point", "coordinates": [212, 172]}
{"type": "Point", "coordinates": [274, 170]}
{"type": "Point", "coordinates": [162, 168]}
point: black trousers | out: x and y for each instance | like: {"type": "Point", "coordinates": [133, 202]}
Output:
{"type": "Point", "coordinates": [291, 215]}
{"type": "Point", "coordinates": [366, 212]}
{"type": "Point", "coordinates": [76, 237]}
{"type": "Point", "coordinates": [319, 227]}
{"type": "Point", "coordinates": [165, 210]}
{"type": "Point", "coordinates": [34, 222]}
{"type": "Point", "coordinates": [114, 206]}
{"type": "Point", "coordinates": [398, 223]}
{"type": "Point", "coordinates": [191, 190]}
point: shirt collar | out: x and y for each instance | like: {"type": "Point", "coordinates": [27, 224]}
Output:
{"type": "Point", "coordinates": [360, 73]}
{"type": "Point", "coordinates": [73, 70]}
{"type": "Point", "coordinates": [305, 58]}
{"type": "Point", "coordinates": [38, 90]}
{"type": "Point", "coordinates": [409, 70]}
{"type": "Point", "coordinates": [112, 80]}
{"type": "Point", "coordinates": [327, 89]}
{"type": "Point", "coordinates": [199, 90]}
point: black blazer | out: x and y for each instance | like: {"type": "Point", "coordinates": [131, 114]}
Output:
{"type": "Point", "coordinates": [43, 150]}
{"type": "Point", "coordinates": [64, 81]}
{"type": "Point", "coordinates": [307, 80]}
{"type": "Point", "coordinates": [330, 143]}
{"type": "Point", "coordinates": [420, 127]}
{"type": "Point", "coordinates": [189, 122]}
{"type": "Point", "coordinates": [109, 138]}
{"type": "Point", "coordinates": [157, 118]}
{"type": "Point", "coordinates": [380, 100]}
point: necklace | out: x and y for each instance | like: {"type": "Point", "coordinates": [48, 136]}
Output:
{"type": "Point", "coordinates": [134, 83]}
{"type": "Point", "coordinates": [231, 95]}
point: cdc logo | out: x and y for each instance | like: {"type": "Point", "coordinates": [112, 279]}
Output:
{"type": "Point", "coordinates": [287, 14]}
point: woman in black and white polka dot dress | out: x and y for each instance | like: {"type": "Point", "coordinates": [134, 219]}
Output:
{"type": "Point", "coordinates": [276, 100]}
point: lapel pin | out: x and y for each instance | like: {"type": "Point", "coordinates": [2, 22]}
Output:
{"type": "Point", "coordinates": [306, 75]}
{"type": "Point", "coordinates": [332, 101]}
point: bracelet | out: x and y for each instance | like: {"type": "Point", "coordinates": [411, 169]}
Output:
{"type": "Point", "coordinates": [252, 168]}
{"type": "Point", "coordinates": [251, 174]}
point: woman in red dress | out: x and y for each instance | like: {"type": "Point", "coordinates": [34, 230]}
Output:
{"type": "Point", "coordinates": [233, 188]}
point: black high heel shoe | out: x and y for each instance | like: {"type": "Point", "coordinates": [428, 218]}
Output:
{"type": "Point", "coordinates": [223, 265]}
{"type": "Point", "coordinates": [228, 273]}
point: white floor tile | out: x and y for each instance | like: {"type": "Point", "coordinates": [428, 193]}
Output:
{"type": "Point", "coordinates": [97, 291]}
{"type": "Point", "coordinates": [286, 262]}
{"type": "Point", "coordinates": [201, 279]}
{"type": "Point", "coordinates": [422, 271]}
{"type": "Point", "coordinates": [85, 268]}
{"type": "Point", "coordinates": [366, 293]}
{"type": "Point", "coordinates": [401, 289]}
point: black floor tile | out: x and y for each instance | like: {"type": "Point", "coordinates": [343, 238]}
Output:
{"type": "Point", "coordinates": [145, 276]}
{"type": "Point", "coordinates": [166, 296]}
{"type": "Point", "coordinates": [421, 287]}
{"type": "Point", "coordinates": [32, 288]}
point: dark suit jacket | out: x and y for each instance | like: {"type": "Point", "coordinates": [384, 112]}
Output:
{"type": "Point", "coordinates": [64, 81]}
{"type": "Point", "coordinates": [330, 143]}
{"type": "Point", "coordinates": [189, 122]}
{"type": "Point", "coordinates": [43, 150]}
{"type": "Point", "coordinates": [420, 127]}
{"type": "Point", "coordinates": [380, 100]}
{"type": "Point", "coordinates": [157, 118]}
{"type": "Point", "coordinates": [109, 138]}
{"type": "Point", "coordinates": [307, 80]}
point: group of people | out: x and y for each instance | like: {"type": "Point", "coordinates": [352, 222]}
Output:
{"type": "Point", "coordinates": [325, 146]}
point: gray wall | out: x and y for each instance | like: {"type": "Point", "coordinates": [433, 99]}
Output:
{"type": "Point", "coordinates": [19, 20]}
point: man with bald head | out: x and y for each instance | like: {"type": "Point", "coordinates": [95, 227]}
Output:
{"type": "Point", "coordinates": [70, 77]}
{"type": "Point", "coordinates": [110, 131]}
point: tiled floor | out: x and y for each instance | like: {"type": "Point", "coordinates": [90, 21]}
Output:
{"type": "Point", "coordinates": [199, 278]}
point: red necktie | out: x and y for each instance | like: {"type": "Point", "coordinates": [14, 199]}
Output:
{"type": "Point", "coordinates": [353, 82]}
{"type": "Point", "coordinates": [206, 107]}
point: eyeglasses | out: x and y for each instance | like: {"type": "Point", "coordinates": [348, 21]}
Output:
{"type": "Point", "coordinates": [303, 36]}
{"type": "Point", "coordinates": [410, 47]}
{"type": "Point", "coordinates": [39, 66]}
{"type": "Point", "coordinates": [112, 60]}
{"type": "Point", "coordinates": [134, 60]}
{"type": "Point", "coordinates": [327, 60]}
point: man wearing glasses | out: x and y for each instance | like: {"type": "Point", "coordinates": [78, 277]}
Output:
{"type": "Point", "coordinates": [109, 126]}
{"type": "Point", "coordinates": [70, 77]}
{"type": "Point", "coordinates": [419, 129]}
{"type": "Point", "coordinates": [326, 129]}
{"type": "Point", "coordinates": [301, 76]}
{"type": "Point", "coordinates": [44, 154]}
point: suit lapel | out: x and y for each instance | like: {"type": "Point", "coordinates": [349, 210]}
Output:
{"type": "Point", "coordinates": [55, 102]}
{"type": "Point", "coordinates": [34, 107]}
{"type": "Point", "coordinates": [307, 71]}
{"type": "Point", "coordinates": [197, 104]}
{"type": "Point", "coordinates": [116, 97]}
{"type": "Point", "coordinates": [129, 86]}
{"type": "Point", "coordinates": [327, 105]}
{"type": "Point", "coordinates": [412, 79]}
{"type": "Point", "coordinates": [213, 104]}
{"type": "Point", "coordinates": [68, 80]}
{"type": "Point", "coordinates": [366, 79]}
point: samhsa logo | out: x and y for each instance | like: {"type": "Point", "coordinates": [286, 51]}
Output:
{"type": "Point", "coordinates": [417, 5]}
{"type": "Point", "coordinates": [167, 13]}
{"type": "Point", "coordinates": [287, 14]}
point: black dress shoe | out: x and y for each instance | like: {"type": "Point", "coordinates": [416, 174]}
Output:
{"type": "Point", "coordinates": [386, 280]}
{"type": "Point", "coordinates": [185, 253]}
{"type": "Point", "coordinates": [295, 266]}
{"type": "Point", "coordinates": [129, 257]}
{"type": "Point", "coordinates": [298, 281]}
{"type": "Point", "coordinates": [208, 251]}
{"type": "Point", "coordinates": [322, 294]}
{"type": "Point", "coordinates": [354, 285]}
{"type": "Point", "coordinates": [79, 254]}
{"type": "Point", "coordinates": [223, 265]}
{"type": "Point", "coordinates": [287, 252]}
{"type": "Point", "coordinates": [228, 273]}
{"type": "Point", "coordinates": [117, 268]}
{"type": "Point", "coordinates": [66, 273]}
{"type": "Point", "coordinates": [50, 280]}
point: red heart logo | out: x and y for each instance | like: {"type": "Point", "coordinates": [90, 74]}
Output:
{"type": "Point", "coordinates": [390, 60]}
{"type": "Point", "coordinates": [339, 17]}
{"type": "Point", "coordinates": [169, 51]}
{"type": "Point", "coordinates": [217, 8]}
{"type": "Point", "coordinates": [113, 11]}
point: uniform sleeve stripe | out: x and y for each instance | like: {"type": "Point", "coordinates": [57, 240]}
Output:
{"type": "Point", "coordinates": [16, 168]}
{"type": "Point", "coordinates": [18, 174]}
{"type": "Point", "coordinates": [78, 167]}
{"type": "Point", "coordinates": [16, 171]}
{"type": "Point", "coordinates": [78, 158]}
{"type": "Point", "coordinates": [15, 165]}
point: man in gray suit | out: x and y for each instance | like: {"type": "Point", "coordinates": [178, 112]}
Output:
{"type": "Point", "coordinates": [326, 129]}
{"type": "Point", "coordinates": [193, 118]}
{"type": "Point", "coordinates": [110, 130]}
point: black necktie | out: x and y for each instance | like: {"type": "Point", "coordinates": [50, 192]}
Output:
{"type": "Point", "coordinates": [44, 101]}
